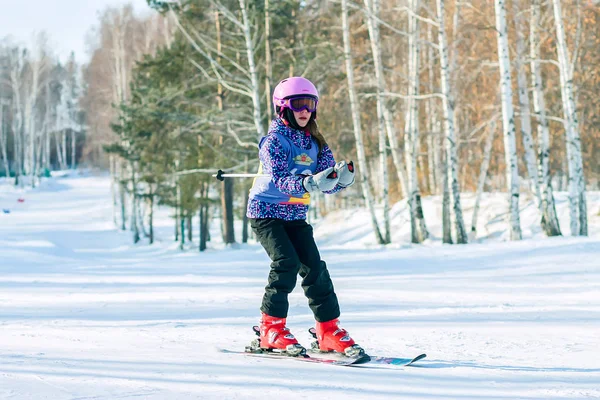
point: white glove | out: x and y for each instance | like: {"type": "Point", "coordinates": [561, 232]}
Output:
{"type": "Point", "coordinates": [346, 172]}
{"type": "Point", "coordinates": [323, 181]}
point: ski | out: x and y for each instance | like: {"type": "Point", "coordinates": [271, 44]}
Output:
{"type": "Point", "coordinates": [375, 360]}
{"type": "Point", "coordinates": [319, 357]}
{"type": "Point", "coordinates": [303, 358]}
{"type": "Point", "coordinates": [334, 359]}
{"type": "Point", "coordinates": [403, 362]}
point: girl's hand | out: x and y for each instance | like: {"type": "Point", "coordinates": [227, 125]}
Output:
{"type": "Point", "coordinates": [345, 170]}
{"type": "Point", "coordinates": [323, 181]}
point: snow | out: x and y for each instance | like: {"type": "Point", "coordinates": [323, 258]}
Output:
{"type": "Point", "coordinates": [85, 314]}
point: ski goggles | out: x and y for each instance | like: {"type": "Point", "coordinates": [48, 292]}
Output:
{"type": "Point", "coordinates": [300, 103]}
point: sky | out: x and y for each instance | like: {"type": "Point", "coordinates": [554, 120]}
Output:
{"type": "Point", "coordinates": [67, 22]}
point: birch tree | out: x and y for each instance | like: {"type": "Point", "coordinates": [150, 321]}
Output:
{"type": "Point", "coordinates": [450, 135]}
{"type": "Point", "coordinates": [123, 40]}
{"type": "Point", "coordinates": [244, 80]}
{"type": "Point", "coordinates": [508, 121]}
{"type": "Point", "coordinates": [372, 17]}
{"type": "Point", "coordinates": [411, 141]}
{"type": "Point", "coordinates": [17, 64]}
{"type": "Point", "coordinates": [372, 8]}
{"type": "Point", "coordinates": [38, 65]}
{"type": "Point", "coordinates": [433, 123]}
{"type": "Point", "coordinates": [46, 126]}
{"type": "Point", "coordinates": [268, 63]}
{"type": "Point", "coordinates": [446, 212]}
{"type": "Point", "coordinates": [227, 226]}
{"type": "Point", "coordinates": [4, 103]}
{"type": "Point", "coordinates": [62, 124]}
{"type": "Point", "coordinates": [74, 89]}
{"type": "Point", "coordinates": [116, 28]}
{"type": "Point", "coordinates": [524, 105]}
{"type": "Point", "coordinates": [254, 85]}
{"type": "Point", "coordinates": [577, 200]}
{"type": "Point", "coordinates": [548, 209]}
{"type": "Point", "coordinates": [363, 169]}
{"type": "Point", "coordinates": [485, 163]}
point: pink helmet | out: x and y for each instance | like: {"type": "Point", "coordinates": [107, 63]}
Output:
{"type": "Point", "coordinates": [293, 86]}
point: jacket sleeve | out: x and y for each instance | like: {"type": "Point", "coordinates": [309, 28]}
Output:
{"type": "Point", "coordinates": [324, 161]}
{"type": "Point", "coordinates": [274, 159]}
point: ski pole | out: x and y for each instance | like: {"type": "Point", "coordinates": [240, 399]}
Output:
{"type": "Point", "coordinates": [220, 175]}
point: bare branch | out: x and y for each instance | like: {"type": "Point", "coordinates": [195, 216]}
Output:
{"type": "Point", "coordinates": [404, 96]}
{"type": "Point", "coordinates": [426, 20]}
{"type": "Point", "coordinates": [237, 138]}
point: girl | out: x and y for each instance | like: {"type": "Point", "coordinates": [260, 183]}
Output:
{"type": "Point", "coordinates": [298, 161]}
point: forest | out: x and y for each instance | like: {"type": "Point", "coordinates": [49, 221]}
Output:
{"type": "Point", "coordinates": [427, 97]}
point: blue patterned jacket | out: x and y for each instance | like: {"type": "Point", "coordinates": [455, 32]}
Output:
{"type": "Point", "coordinates": [286, 155]}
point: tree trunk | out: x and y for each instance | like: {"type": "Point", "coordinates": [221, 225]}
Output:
{"type": "Point", "coordinates": [151, 216]}
{"type": "Point", "coordinates": [227, 210]}
{"type": "Point", "coordinates": [268, 67]}
{"type": "Point", "coordinates": [36, 67]}
{"type": "Point", "coordinates": [122, 194]}
{"type": "Point", "coordinates": [508, 121]}
{"type": "Point", "coordinates": [252, 69]}
{"type": "Point", "coordinates": [362, 173]}
{"type": "Point", "coordinates": [113, 185]}
{"type": "Point", "coordinates": [64, 151]}
{"type": "Point", "coordinates": [245, 220]}
{"type": "Point", "coordinates": [45, 142]}
{"type": "Point", "coordinates": [134, 205]}
{"type": "Point", "coordinates": [550, 222]}
{"type": "Point", "coordinates": [372, 7]}
{"type": "Point", "coordinates": [16, 83]}
{"type": "Point", "coordinates": [220, 104]}
{"type": "Point", "coordinates": [227, 186]}
{"type": "Point", "coordinates": [188, 226]}
{"type": "Point", "coordinates": [4, 141]}
{"type": "Point", "coordinates": [141, 217]}
{"type": "Point", "coordinates": [451, 145]}
{"type": "Point", "coordinates": [73, 149]}
{"type": "Point", "coordinates": [57, 142]}
{"type": "Point", "coordinates": [524, 106]}
{"type": "Point", "coordinates": [433, 124]}
{"type": "Point", "coordinates": [182, 231]}
{"type": "Point", "coordinates": [411, 140]}
{"type": "Point", "coordinates": [179, 221]}
{"type": "Point", "coordinates": [577, 200]}
{"type": "Point", "coordinates": [203, 215]}
{"type": "Point", "coordinates": [485, 163]}
{"type": "Point", "coordinates": [383, 111]}
{"type": "Point", "coordinates": [446, 213]}
{"type": "Point", "coordinates": [384, 182]}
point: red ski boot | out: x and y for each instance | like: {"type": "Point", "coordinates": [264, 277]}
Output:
{"type": "Point", "coordinates": [332, 338]}
{"type": "Point", "coordinates": [274, 335]}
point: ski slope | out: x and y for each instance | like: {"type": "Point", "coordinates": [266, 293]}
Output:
{"type": "Point", "coordinates": [84, 314]}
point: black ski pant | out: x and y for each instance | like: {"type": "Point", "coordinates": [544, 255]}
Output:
{"type": "Point", "coordinates": [292, 249]}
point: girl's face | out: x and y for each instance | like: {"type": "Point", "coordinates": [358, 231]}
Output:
{"type": "Point", "coordinates": [302, 117]}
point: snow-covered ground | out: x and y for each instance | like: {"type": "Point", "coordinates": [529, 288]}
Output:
{"type": "Point", "coordinates": [84, 314]}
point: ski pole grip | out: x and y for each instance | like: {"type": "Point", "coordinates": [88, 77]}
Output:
{"type": "Point", "coordinates": [220, 175]}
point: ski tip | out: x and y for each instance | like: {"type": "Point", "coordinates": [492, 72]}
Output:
{"type": "Point", "coordinates": [227, 351]}
{"type": "Point", "coordinates": [417, 358]}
